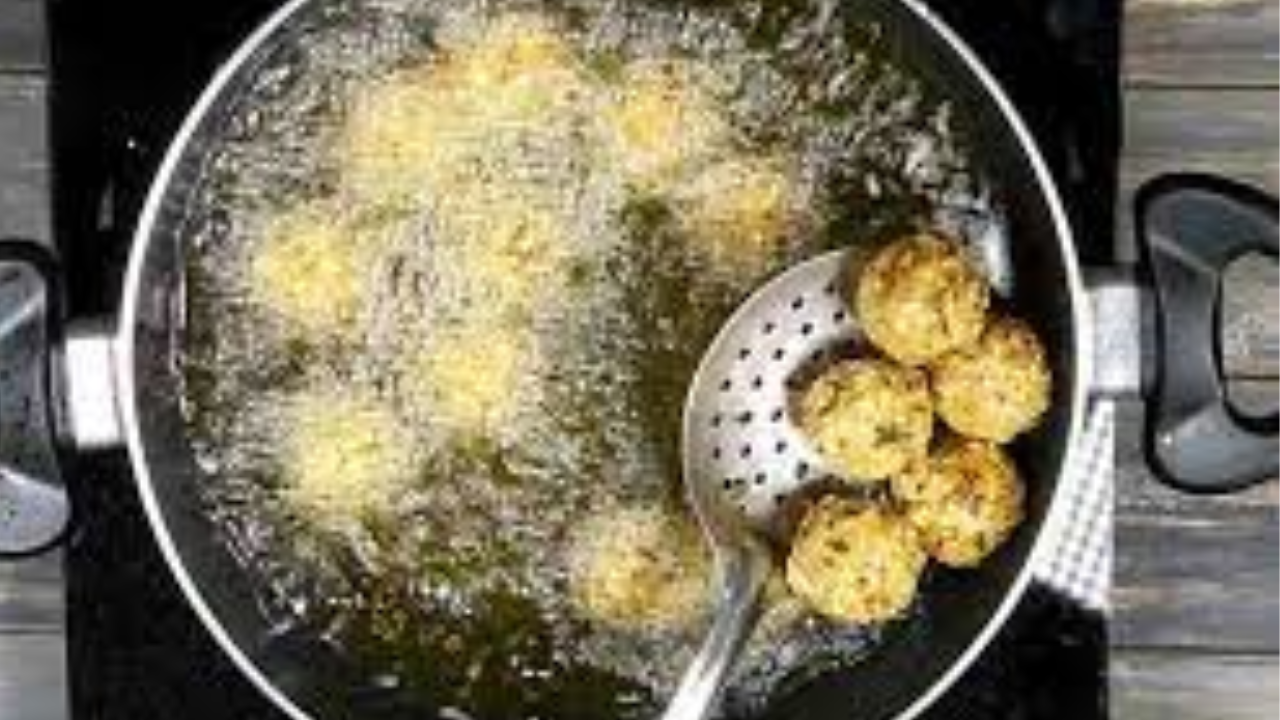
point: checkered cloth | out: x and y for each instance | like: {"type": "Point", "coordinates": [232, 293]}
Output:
{"type": "Point", "coordinates": [1076, 558]}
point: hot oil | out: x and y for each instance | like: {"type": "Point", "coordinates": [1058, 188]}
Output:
{"type": "Point", "coordinates": [456, 589]}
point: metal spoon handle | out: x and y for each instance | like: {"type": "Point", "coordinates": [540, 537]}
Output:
{"type": "Point", "coordinates": [741, 578]}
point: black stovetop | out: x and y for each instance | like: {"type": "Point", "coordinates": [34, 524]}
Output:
{"type": "Point", "coordinates": [123, 75]}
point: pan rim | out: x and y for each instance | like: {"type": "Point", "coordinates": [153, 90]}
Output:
{"type": "Point", "coordinates": [144, 235]}
{"type": "Point", "coordinates": [126, 339]}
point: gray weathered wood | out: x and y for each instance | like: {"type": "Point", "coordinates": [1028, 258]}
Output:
{"type": "Point", "coordinates": [1226, 132]}
{"type": "Point", "coordinates": [1219, 130]}
{"type": "Point", "coordinates": [1257, 398]}
{"type": "Point", "coordinates": [1166, 686]}
{"type": "Point", "coordinates": [22, 35]}
{"type": "Point", "coordinates": [1251, 319]}
{"type": "Point", "coordinates": [1223, 131]}
{"type": "Point", "coordinates": [30, 590]}
{"type": "Point", "coordinates": [1221, 43]}
{"type": "Point", "coordinates": [31, 596]}
{"type": "Point", "coordinates": [32, 654]}
{"type": "Point", "coordinates": [23, 170]}
{"type": "Point", "coordinates": [1192, 572]}
{"type": "Point", "coordinates": [1203, 577]}
{"type": "Point", "coordinates": [33, 677]}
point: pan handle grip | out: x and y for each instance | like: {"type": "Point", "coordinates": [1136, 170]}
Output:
{"type": "Point", "coordinates": [34, 510]}
{"type": "Point", "coordinates": [1190, 228]}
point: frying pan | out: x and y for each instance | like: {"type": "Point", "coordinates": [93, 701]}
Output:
{"type": "Point", "coordinates": [81, 386]}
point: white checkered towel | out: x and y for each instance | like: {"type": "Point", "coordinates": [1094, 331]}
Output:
{"type": "Point", "coordinates": [1076, 559]}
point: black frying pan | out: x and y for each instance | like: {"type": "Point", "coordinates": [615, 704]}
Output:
{"type": "Point", "coordinates": [100, 389]}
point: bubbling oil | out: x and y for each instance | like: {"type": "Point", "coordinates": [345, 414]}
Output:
{"type": "Point", "coordinates": [453, 588]}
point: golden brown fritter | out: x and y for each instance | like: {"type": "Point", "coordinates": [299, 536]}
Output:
{"type": "Point", "coordinates": [855, 562]}
{"type": "Point", "coordinates": [639, 567]}
{"type": "Point", "coordinates": [997, 387]}
{"type": "Point", "coordinates": [920, 297]}
{"type": "Point", "coordinates": [965, 500]}
{"type": "Point", "coordinates": [867, 418]}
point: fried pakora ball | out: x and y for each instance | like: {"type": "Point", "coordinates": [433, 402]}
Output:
{"type": "Point", "coordinates": [663, 121]}
{"type": "Point", "coordinates": [997, 387]}
{"type": "Point", "coordinates": [855, 562]}
{"type": "Point", "coordinates": [345, 456]}
{"type": "Point", "coordinates": [310, 270]}
{"type": "Point", "coordinates": [920, 298]}
{"type": "Point", "coordinates": [867, 418]}
{"type": "Point", "coordinates": [738, 213]}
{"type": "Point", "coordinates": [965, 500]}
{"type": "Point", "coordinates": [639, 568]}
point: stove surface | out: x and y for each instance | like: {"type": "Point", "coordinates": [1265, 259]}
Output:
{"type": "Point", "coordinates": [124, 74]}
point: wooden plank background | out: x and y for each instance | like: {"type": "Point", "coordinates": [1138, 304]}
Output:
{"type": "Point", "coordinates": [1201, 43]}
{"type": "Point", "coordinates": [22, 36]}
{"type": "Point", "coordinates": [1195, 631]}
{"type": "Point", "coordinates": [32, 643]}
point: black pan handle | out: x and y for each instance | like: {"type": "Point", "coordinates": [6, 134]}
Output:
{"type": "Point", "coordinates": [1190, 228]}
{"type": "Point", "coordinates": [34, 510]}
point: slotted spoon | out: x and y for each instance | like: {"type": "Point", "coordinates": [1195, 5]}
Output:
{"type": "Point", "coordinates": [743, 456]}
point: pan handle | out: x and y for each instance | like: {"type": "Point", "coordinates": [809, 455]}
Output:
{"type": "Point", "coordinates": [34, 510]}
{"type": "Point", "coordinates": [1190, 228]}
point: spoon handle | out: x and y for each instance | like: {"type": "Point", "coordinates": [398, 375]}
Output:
{"type": "Point", "coordinates": [741, 578]}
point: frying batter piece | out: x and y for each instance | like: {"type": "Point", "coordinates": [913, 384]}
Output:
{"type": "Point", "coordinates": [663, 121]}
{"type": "Point", "coordinates": [639, 567]}
{"type": "Point", "coordinates": [470, 380]}
{"type": "Point", "coordinates": [310, 271]}
{"type": "Point", "coordinates": [431, 128]}
{"type": "Point", "coordinates": [740, 212]}
{"type": "Point", "coordinates": [345, 456]}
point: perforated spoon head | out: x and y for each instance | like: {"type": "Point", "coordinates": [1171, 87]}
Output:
{"type": "Point", "coordinates": [744, 458]}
